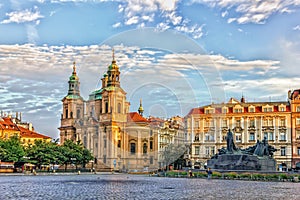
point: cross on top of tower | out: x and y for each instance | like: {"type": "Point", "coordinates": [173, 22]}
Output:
{"type": "Point", "coordinates": [74, 67]}
{"type": "Point", "coordinates": [113, 55]}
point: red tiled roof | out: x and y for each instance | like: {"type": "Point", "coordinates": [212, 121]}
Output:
{"type": "Point", "coordinates": [230, 106]}
{"type": "Point", "coordinates": [135, 117]}
{"type": "Point", "coordinates": [26, 133]}
{"type": "Point", "coordinates": [196, 111]}
{"type": "Point", "coordinates": [7, 123]}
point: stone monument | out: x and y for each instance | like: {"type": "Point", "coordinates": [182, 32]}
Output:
{"type": "Point", "coordinates": [258, 157]}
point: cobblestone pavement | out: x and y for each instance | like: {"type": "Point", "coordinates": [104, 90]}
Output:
{"type": "Point", "coordinates": [123, 186]}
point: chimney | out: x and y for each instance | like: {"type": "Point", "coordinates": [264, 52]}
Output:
{"type": "Point", "coordinates": [30, 126]}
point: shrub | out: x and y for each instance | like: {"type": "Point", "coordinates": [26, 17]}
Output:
{"type": "Point", "coordinates": [245, 175]}
{"type": "Point", "coordinates": [231, 175]}
{"type": "Point", "coordinates": [216, 175]}
{"type": "Point", "coordinates": [283, 176]}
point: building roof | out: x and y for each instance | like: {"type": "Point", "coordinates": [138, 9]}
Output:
{"type": "Point", "coordinates": [26, 133]}
{"type": "Point", "coordinates": [233, 102]}
{"type": "Point", "coordinates": [7, 124]}
{"type": "Point", "coordinates": [135, 117]}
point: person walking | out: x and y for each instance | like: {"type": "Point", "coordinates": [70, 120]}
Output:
{"type": "Point", "coordinates": [209, 173]}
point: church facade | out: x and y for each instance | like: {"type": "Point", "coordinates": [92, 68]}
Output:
{"type": "Point", "coordinates": [118, 139]}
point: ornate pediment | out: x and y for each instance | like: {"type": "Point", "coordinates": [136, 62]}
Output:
{"type": "Point", "coordinates": [238, 129]}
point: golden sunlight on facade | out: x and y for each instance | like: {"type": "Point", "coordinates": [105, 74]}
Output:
{"type": "Point", "coordinates": [13, 126]}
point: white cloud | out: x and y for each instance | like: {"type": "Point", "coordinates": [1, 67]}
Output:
{"type": "Point", "coordinates": [116, 25]}
{"type": "Point", "coordinates": [132, 20]}
{"type": "Point", "coordinates": [40, 69]}
{"type": "Point", "coordinates": [22, 16]}
{"type": "Point", "coordinates": [297, 28]}
{"type": "Point", "coordinates": [251, 11]}
{"type": "Point", "coordinates": [224, 14]}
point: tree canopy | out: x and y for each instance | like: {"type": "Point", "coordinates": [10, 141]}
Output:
{"type": "Point", "coordinates": [44, 153]}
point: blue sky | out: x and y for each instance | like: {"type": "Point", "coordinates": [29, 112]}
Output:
{"type": "Point", "coordinates": [173, 54]}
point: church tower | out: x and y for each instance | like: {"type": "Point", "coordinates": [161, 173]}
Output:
{"type": "Point", "coordinates": [73, 109]}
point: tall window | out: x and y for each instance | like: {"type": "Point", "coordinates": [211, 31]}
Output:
{"type": "Point", "coordinates": [297, 134]}
{"type": "Point", "coordinates": [106, 107]}
{"type": "Point", "coordinates": [269, 135]}
{"type": "Point", "coordinates": [298, 151]}
{"type": "Point", "coordinates": [207, 151]}
{"type": "Point", "coordinates": [252, 123]}
{"type": "Point", "coordinates": [145, 148]}
{"type": "Point", "coordinates": [252, 137]}
{"type": "Point", "coordinates": [151, 160]}
{"type": "Point", "coordinates": [119, 143]}
{"type": "Point", "coordinates": [67, 112]}
{"type": "Point", "coordinates": [197, 150]}
{"type": "Point", "coordinates": [238, 137]}
{"type": "Point", "coordinates": [151, 145]}
{"type": "Point", "coordinates": [298, 109]}
{"type": "Point", "coordinates": [212, 123]}
{"type": "Point", "coordinates": [283, 151]}
{"type": "Point", "coordinates": [224, 123]}
{"type": "Point", "coordinates": [238, 123]}
{"type": "Point", "coordinates": [132, 148]}
{"type": "Point", "coordinates": [283, 136]}
{"type": "Point", "coordinates": [104, 159]}
{"type": "Point", "coordinates": [119, 107]}
{"type": "Point", "coordinates": [78, 114]}
{"type": "Point", "coordinates": [297, 121]}
{"type": "Point", "coordinates": [282, 122]}
{"type": "Point", "coordinates": [84, 141]}
{"type": "Point", "coordinates": [212, 150]}
{"type": "Point", "coordinates": [104, 144]}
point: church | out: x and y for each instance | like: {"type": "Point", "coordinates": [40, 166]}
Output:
{"type": "Point", "coordinates": [118, 139]}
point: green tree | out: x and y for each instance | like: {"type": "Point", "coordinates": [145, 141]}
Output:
{"type": "Point", "coordinates": [172, 153]}
{"type": "Point", "coordinates": [75, 153]}
{"type": "Point", "coordinates": [11, 150]}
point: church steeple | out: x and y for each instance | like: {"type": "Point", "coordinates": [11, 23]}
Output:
{"type": "Point", "coordinates": [141, 109]}
{"type": "Point", "coordinates": [74, 82]}
{"type": "Point", "coordinates": [113, 72]}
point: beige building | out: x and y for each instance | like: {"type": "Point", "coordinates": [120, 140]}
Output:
{"type": "Point", "coordinates": [249, 122]}
{"type": "Point", "coordinates": [118, 139]}
{"type": "Point", "coordinates": [294, 99]}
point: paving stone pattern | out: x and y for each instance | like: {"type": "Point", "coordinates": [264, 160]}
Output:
{"type": "Point", "coordinates": [123, 186]}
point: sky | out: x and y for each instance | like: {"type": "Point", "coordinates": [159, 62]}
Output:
{"type": "Point", "coordinates": [173, 54]}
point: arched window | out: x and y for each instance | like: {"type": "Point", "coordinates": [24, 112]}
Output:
{"type": "Point", "coordinates": [106, 107]}
{"type": "Point", "coordinates": [119, 107]}
{"type": "Point", "coordinates": [78, 114]}
{"type": "Point", "coordinates": [145, 148]}
{"type": "Point", "coordinates": [84, 141]}
{"type": "Point", "coordinates": [132, 148]}
{"type": "Point", "coordinates": [71, 114]}
{"type": "Point", "coordinates": [67, 112]}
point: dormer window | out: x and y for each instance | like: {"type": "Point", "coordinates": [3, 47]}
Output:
{"type": "Point", "coordinates": [251, 109]}
{"type": "Point", "coordinates": [224, 110]}
{"type": "Point", "coordinates": [268, 108]}
{"type": "Point", "coordinates": [209, 110]}
{"type": "Point", "coordinates": [282, 108]}
{"type": "Point", "coordinates": [238, 110]}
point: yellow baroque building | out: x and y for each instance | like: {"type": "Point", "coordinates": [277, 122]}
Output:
{"type": "Point", "coordinates": [12, 126]}
{"type": "Point", "coordinates": [278, 122]}
{"type": "Point", "coordinates": [118, 139]}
